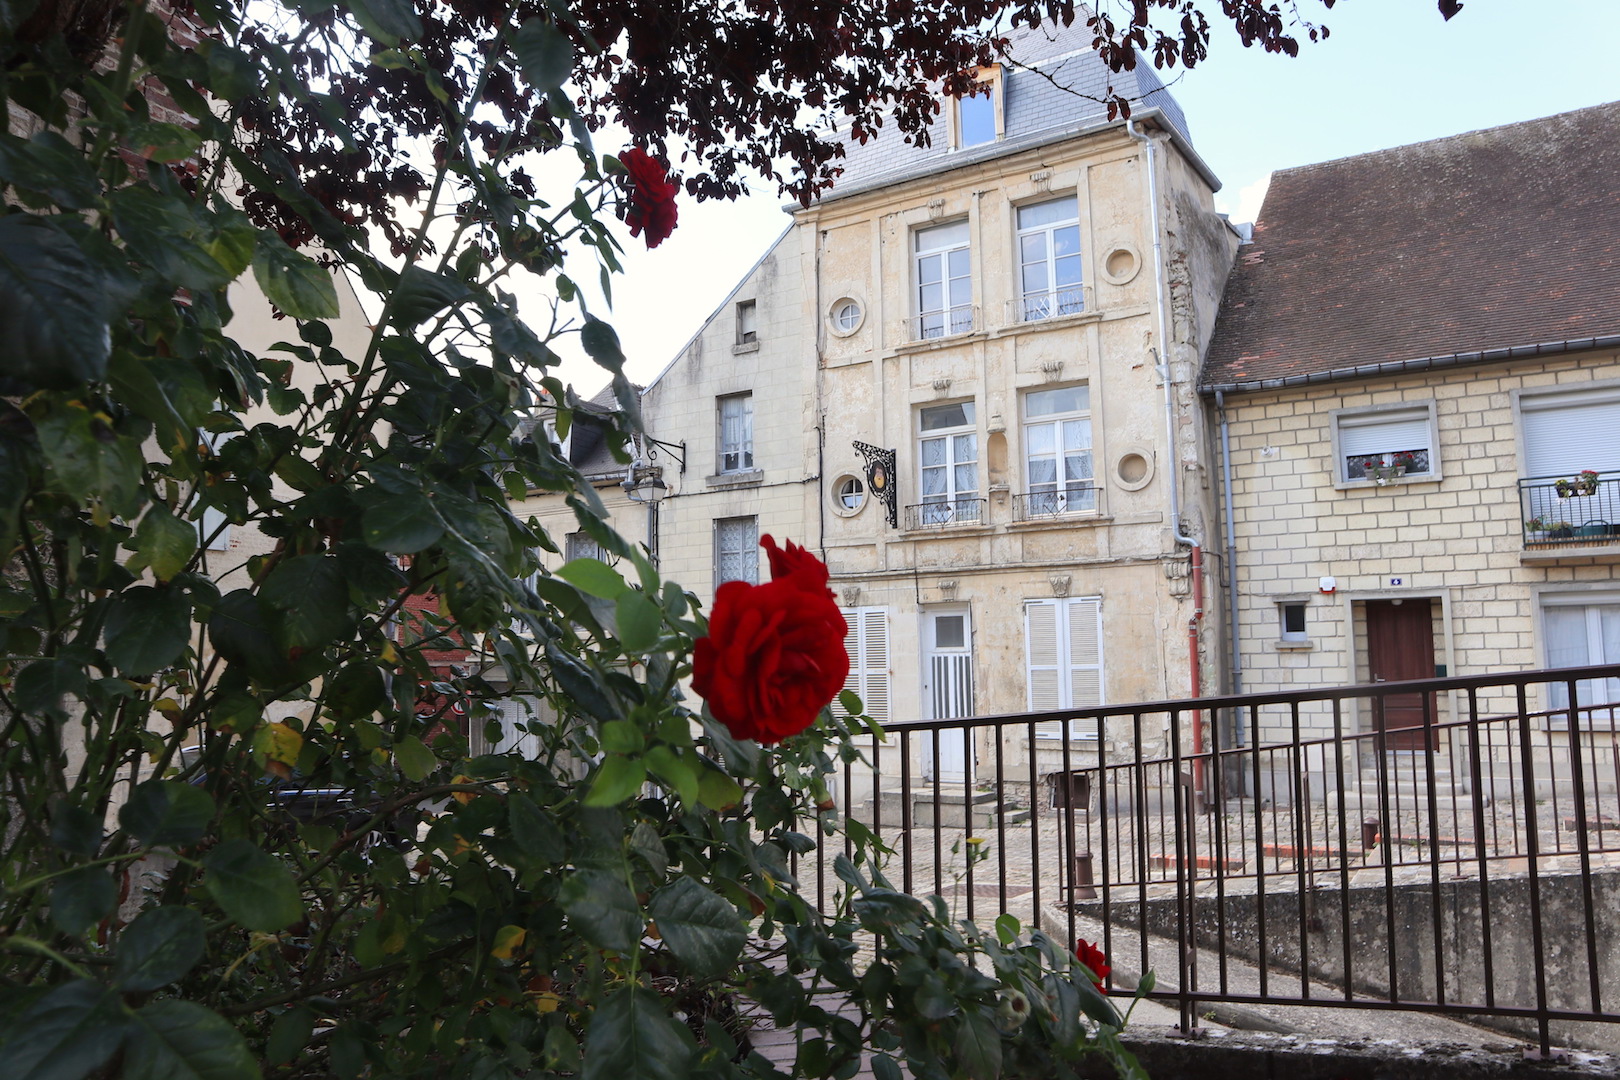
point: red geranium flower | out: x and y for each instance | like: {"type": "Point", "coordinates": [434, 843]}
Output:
{"type": "Point", "coordinates": [651, 196]}
{"type": "Point", "coordinates": [775, 656]}
{"type": "Point", "coordinates": [1095, 960]}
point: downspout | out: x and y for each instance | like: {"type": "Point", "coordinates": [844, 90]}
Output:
{"type": "Point", "coordinates": [1162, 354]}
{"type": "Point", "coordinates": [1231, 560]}
{"type": "Point", "coordinates": [816, 237]}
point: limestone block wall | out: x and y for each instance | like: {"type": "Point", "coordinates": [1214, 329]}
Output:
{"type": "Point", "coordinates": [1455, 538]}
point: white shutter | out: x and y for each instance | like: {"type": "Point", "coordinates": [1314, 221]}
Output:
{"type": "Point", "coordinates": [1565, 433]}
{"type": "Point", "coordinates": [1063, 659]}
{"type": "Point", "coordinates": [867, 642]}
{"type": "Point", "coordinates": [1383, 433]}
{"type": "Point", "coordinates": [1085, 662]}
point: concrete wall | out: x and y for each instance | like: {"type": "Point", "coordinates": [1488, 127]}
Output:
{"type": "Point", "coordinates": [1468, 917]}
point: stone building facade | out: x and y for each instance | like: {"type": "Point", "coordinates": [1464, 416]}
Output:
{"type": "Point", "coordinates": [1411, 386]}
{"type": "Point", "coordinates": [948, 379]}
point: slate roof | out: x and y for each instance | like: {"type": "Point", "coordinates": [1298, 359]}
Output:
{"type": "Point", "coordinates": [1038, 108]}
{"type": "Point", "coordinates": [1482, 246]}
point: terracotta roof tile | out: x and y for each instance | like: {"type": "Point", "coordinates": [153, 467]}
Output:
{"type": "Point", "coordinates": [1494, 239]}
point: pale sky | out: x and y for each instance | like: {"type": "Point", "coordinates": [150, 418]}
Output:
{"type": "Point", "coordinates": [1391, 72]}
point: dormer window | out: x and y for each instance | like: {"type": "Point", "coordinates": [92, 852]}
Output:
{"type": "Point", "coordinates": [977, 119]}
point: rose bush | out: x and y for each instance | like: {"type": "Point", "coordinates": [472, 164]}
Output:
{"type": "Point", "coordinates": [652, 196]}
{"type": "Point", "coordinates": [775, 656]}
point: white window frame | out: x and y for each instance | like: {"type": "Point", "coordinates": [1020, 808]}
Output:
{"type": "Point", "coordinates": [734, 419]}
{"type": "Point", "coordinates": [1301, 636]}
{"type": "Point", "coordinates": [1592, 435]}
{"type": "Point", "coordinates": [1066, 613]}
{"type": "Point", "coordinates": [1055, 299]}
{"type": "Point", "coordinates": [987, 76]}
{"type": "Point", "coordinates": [1591, 604]}
{"type": "Point", "coordinates": [870, 676]}
{"type": "Point", "coordinates": [1381, 433]}
{"type": "Point", "coordinates": [942, 258]}
{"type": "Point", "coordinates": [736, 537]}
{"type": "Point", "coordinates": [747, 322]}
{"type": "Point", "coordinates": [948, 500]}
{"type": "Point", "coordinates": [1060, 499]}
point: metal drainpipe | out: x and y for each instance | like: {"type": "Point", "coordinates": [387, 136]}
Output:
{"type": "Point", "coordinates": [1162, 354]}
{"type": "Point", "coordinates": [1231, 559]}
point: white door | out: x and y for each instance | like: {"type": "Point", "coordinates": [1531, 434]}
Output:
{"type": "Point", "coordinates": [948, 690]}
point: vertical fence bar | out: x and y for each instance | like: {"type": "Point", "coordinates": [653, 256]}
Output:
{"type": "Point", "coordinates": [1034, 821]}
{"type": "Point", "coordinates": [1344, 848]}
{"type": "Point", "coordinates": [1582, 841]}
{"type": "Point", "coordinates": [906, 811]}
{"type": "Point", "coordinates": [1001, 824]}
{"type": "Point", "coordinates": [1387, 849]}
{"type": "Point", "coordinates": [1476, 775]}
{"type": "Point", "coordinates": [1533, 842]}
{"type": "Point", "coordinates": [1302, 849]}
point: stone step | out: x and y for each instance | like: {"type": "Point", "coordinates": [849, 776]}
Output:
{"type": "Point", "coordinates": [953, 806]}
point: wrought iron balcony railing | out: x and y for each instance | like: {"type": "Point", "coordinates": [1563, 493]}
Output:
{"type": "Point", "coordinates": [1035, 306]}
{"type": "Point", "coordinates": [962, 319]}
{"type": "Point", "coordinates": [1039, 505]}
{"type": "Point", "coordinates": [1571, 511]}
{"type": "Point", "coordinates": [945, 512]}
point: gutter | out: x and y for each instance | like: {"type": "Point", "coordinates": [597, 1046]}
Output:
{"type": "Point", "coordinates": [1426, 363]}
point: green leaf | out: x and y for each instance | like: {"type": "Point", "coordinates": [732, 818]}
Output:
{"type": "Point", "coordinates": [161, 230]}
{"type": "Point", "coordinates": [422, 294]}
{"type": "Point", "coordinates": [42, 685]}
{"type": "Point", "coordinates": [52, 306]}
{"type": "Point", "coordinates": [702, 929]}
{"type": "Point", "coordinates": [68, 1034]}
{"type": "Point", "coordinates": [678, 772]}
{"type": "Point", "coordinates": [253, 887]}
{"type": "Point", "coordinates": [356, 691]}
{"type": "Point", "coordinates": [90, 461]}
{"type": "Point", "coordinates": [289, 1034]}
{"type": "Point", "coordinates": [1007, 928]}
{"type": "Point", "coordinates": [633, 1037]}
{"type": "Point", "coordinates": [240, 632]}
{"type": "Point", "coordinates": [158, 948]}
{"type": "Point", "coordinates": [536, 834]}
{"type": "Point", "coordinates": [52, 167]}
{"type": "Point", "coordinates": [312, 598]}
{"type": "Point", "coordinates": [163, 142]}
{"type": "Point", "coordinates": [387, 21]}
{"type": "Point", "coordinates": [978, 1046]}
{"type": "Point", "coordinates": [718, 791]}
{"type": "Point", "coordinates": [166, 813]}
{"type": "Point", "coordinates": [617, 780]}
{"type": "Point", "coordinates": [180, 1040]}
{"type": "Point", "coordinates": [147, 629]}
{"type": "Point", "coordinates": [165, 543]}
{"type": "Point", "coordinates": [544, 53]}
{"type": "Point", "coordinates": [639, 621]}
{"type": "Point", "coordinates": [82, 899]}
{"type": "Point", "coordinates": [74, 829]}
{"type": "Point", "coordinates": [403, 524]}
{"type": "Point", "coordinates": [601, 344]}
{"type": "Point", "coordinates": [595, 577]}
{"type": "Point", "coordinates": [415, 760]}
{"type": "Point", "coordinates": [601, 907]}
{"type": "Point", "coordinates": [294, 283]}
{"type": "Point", "coordinates": [884, 1067]}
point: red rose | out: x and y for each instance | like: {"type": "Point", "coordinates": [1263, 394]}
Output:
{"type": "Point", "coordinates": [1095, 959]}
{"type": "Point", "coordinates": [651, 196]}
{"type": "Point", "coordinates": [774, 657]}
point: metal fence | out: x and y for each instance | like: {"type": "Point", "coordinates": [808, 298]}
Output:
{"type": "Point", "coordinates": [1445, 846]}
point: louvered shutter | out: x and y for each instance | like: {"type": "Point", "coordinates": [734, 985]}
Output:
{"type": "Point", "coordinates": [1043, 653]}
{"type": "Point", "coordinates": [1085, 662]}
{"type": "Point", "coordinates": [1382, 433]}
{"type": "Point", "coordinates": [867, 642]}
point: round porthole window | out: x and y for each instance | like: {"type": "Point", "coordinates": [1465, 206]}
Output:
{"type": "Point", "coordinates": [849, 494]}
{"type": "Point", "coordinates": [846, 316]}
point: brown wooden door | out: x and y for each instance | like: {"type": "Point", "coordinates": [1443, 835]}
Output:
{"type": "Point", "coordinates": [1400, 646]}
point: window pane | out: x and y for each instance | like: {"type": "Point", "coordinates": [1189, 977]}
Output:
{"type": "Point", "coordinates": [940, 237]}
{"type": "Point", "coordinates": [1051, 402]}
{"type": "Point", "coordinates": [1040, 439]}
{"type": "Point", "coordinates": [1077, 434]}
{"type": "Point", "coordinates": [1042, 472]}
{"type": "Point", "coordinates": [949, 631]}
{"type": "Point", "coordinates": [1066, 241]}
{"type": "Point", "coordinates": [933, 452]}
{"type": "Point", "coordinates": [930, 268]}
{"type": "Point", "coordinates": [931, 298]}
{"type": "Point", "coordinates": [1047, 213]}
{"type": "Point", "coordinates": [965, 447]}
{"type": "Point", "coordinates": [977, 118]}
{"type": "Point", "coordinates": [967, 481]}
{"type": "Point", "coordinates": [936, 417]}
{"type": "Point", "coordinates": [1077, 467]}
{"type": "Point", "coordinates": [933, 481]}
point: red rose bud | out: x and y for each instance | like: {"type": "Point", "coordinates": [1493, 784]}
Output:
{"type": "Point", "coordinates": [774, 657]}
{"type": "Point", "coordinates": [1095, 959]}
{"type": "Point", "coordinates": [651, 195]}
